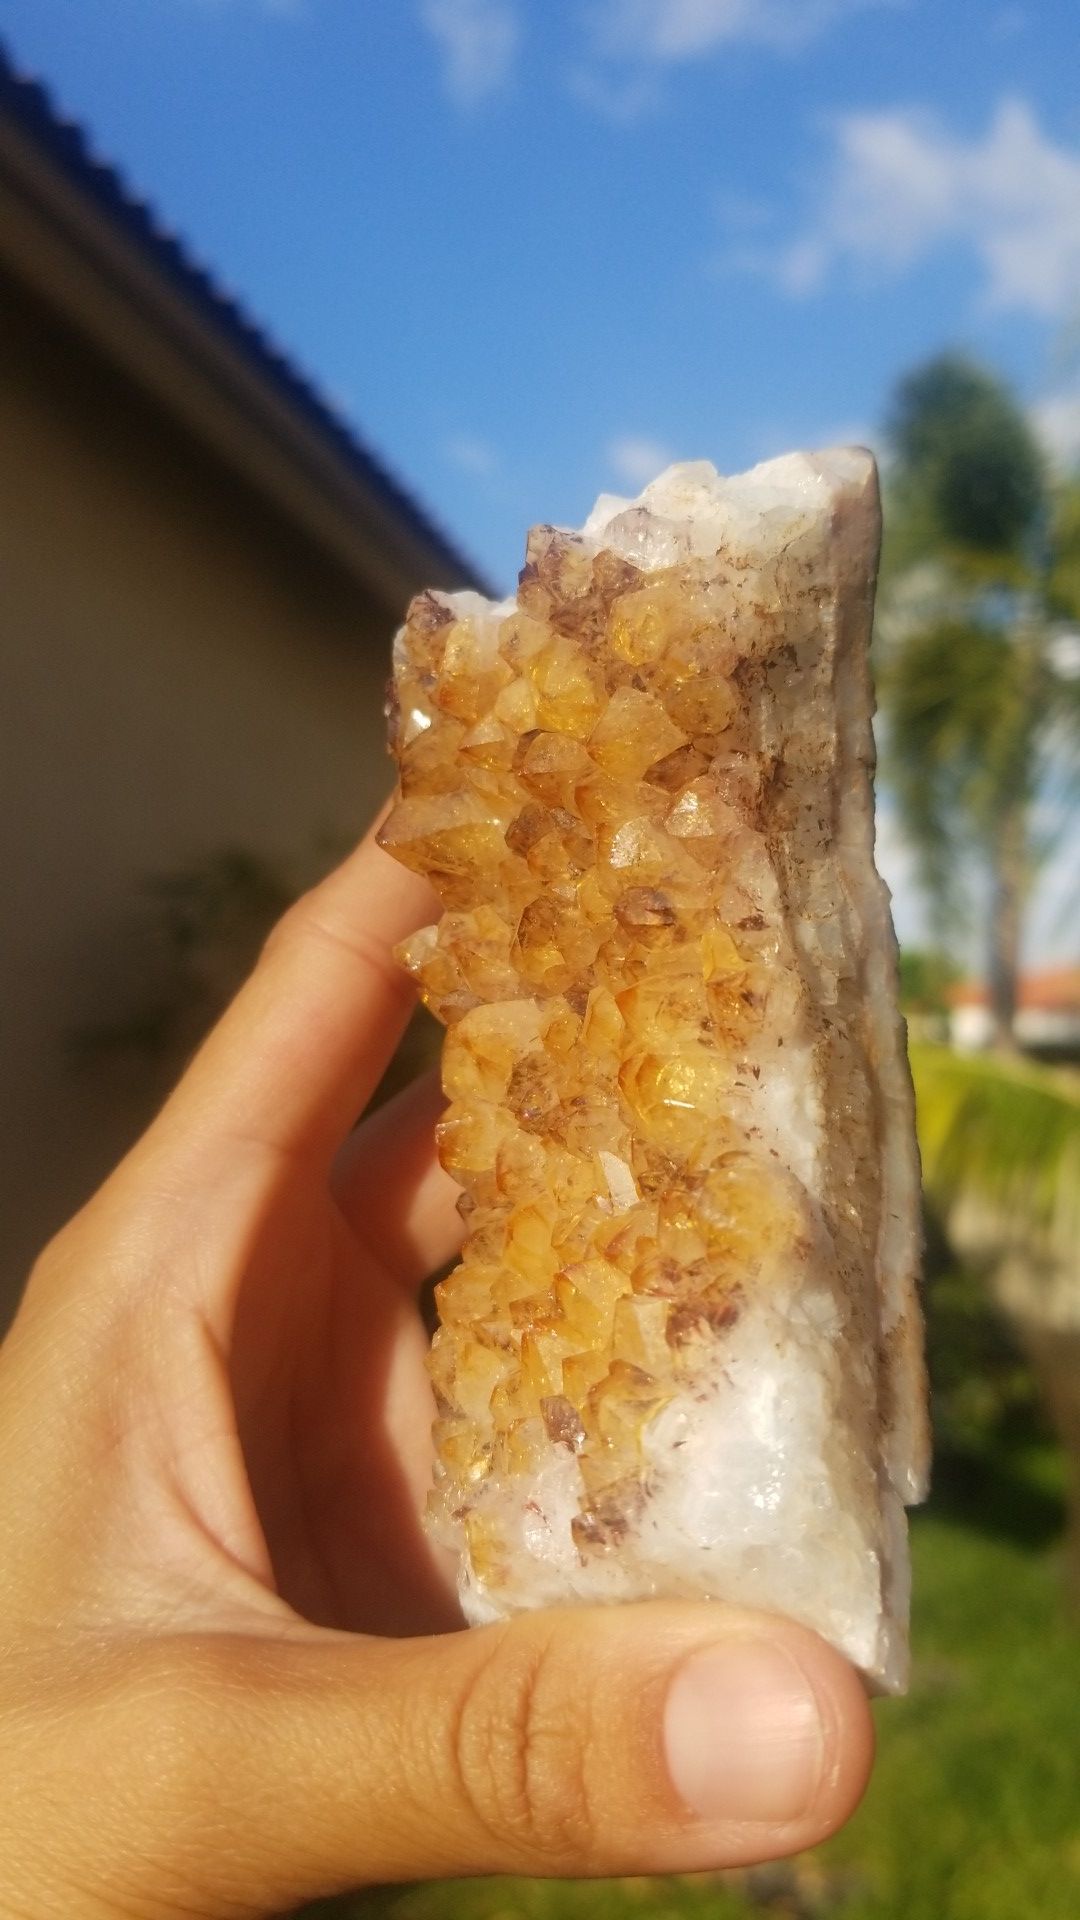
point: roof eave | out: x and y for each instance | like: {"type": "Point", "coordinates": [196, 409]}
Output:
{"type": "Point", "coordinates": [204, 362]}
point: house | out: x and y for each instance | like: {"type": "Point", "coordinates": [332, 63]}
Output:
{"type": "Point", "coordinates": [202, 568]}
{"type": "Point", "coordinates": [1047, 1015]}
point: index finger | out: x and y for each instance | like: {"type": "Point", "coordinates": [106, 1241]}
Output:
{"type": "Point", "coordinates": [295, 1058]}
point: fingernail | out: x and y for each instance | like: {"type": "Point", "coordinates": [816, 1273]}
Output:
{"type": "Point", "coordinates": [743, 1734]}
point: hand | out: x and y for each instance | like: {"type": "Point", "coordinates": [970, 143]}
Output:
{"type": "Point", "coordinates": [214, 1447]}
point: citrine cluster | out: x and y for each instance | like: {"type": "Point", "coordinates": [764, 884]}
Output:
{"type": "Point", "coordinates": [680, 1354]}
{"type": "Point", "coordinates": [580, 783]}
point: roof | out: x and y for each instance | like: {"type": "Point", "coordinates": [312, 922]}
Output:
{"type": "Point", "coordinates": [1051, 990]}
{"type": "Point", "coordinates": [70, 223]}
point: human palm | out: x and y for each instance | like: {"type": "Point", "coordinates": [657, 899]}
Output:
{"type": "Point", "coordinates": [223, 1684]}
{"type": "Point", "coordinates": [333, 1403]}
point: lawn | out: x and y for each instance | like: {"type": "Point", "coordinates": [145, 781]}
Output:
{"type": "Point", "coordinates": [974, 1812]}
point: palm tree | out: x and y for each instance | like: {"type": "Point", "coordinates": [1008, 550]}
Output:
{"type": "Point", "coordinates": [982, 715]}
{"type": "Point", "coordinates": [1000, 1141]}
{"type": "Point", "coordinates": [981, 709]}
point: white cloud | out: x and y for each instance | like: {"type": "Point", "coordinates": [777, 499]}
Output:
{"type": "Point", "coordinates": [618, 97]}
{"type": "Point", "coordinates": [901, 187]}
{"type": "Point", "coordinates": [635, 460]}
{"type": "Point", "coordinates": [674, 30]}
{"type": "Point", "coordinates": [1056, 420]}
{"type": "Point", "coordinates": [472, 455]}
{"type": "Point", "coordinates": [478, 41]}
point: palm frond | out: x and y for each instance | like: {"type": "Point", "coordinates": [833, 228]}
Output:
{"type": "Point", "coordinates": [1064, 582]}
{"type": "Point", "coordinates": [1004, 1132]}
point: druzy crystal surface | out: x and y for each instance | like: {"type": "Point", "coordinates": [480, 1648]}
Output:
{"type": "Point", "coordinates": [681, 1355]}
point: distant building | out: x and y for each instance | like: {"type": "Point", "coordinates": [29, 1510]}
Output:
{"type": "Point", "coordinates": [1047, 1017]}
{"type": "Point", "coordinates": [201, 570]}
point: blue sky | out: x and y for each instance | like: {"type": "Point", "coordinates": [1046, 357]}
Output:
{"type": "Point", "coordinates": [532, 247]}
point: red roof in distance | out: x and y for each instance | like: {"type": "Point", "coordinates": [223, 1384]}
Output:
{"type": "Point", "coordinates": [1051, 990]}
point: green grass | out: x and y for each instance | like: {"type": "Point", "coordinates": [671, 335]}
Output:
{"type": "Point", "coordinates": [974, 1811]}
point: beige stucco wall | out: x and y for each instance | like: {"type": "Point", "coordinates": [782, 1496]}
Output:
{"type": "Point", "coordinates": [180, 673]}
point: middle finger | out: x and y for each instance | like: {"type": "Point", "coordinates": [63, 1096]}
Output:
{"type": "Point", "coordinates": [392, 1191]}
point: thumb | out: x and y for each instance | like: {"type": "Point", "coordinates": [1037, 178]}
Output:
{"type": "Point", "coordinates": [635, 1739]}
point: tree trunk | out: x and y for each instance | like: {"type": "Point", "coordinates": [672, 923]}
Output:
{"type": "Point", "coordinates": [1010, 880]}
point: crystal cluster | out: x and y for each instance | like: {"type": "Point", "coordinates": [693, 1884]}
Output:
{"type": "Point", "coordinates": [681, 1354]}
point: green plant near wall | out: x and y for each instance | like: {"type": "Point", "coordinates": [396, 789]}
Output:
{"type": "Point", "coordinates": [204, 925]}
